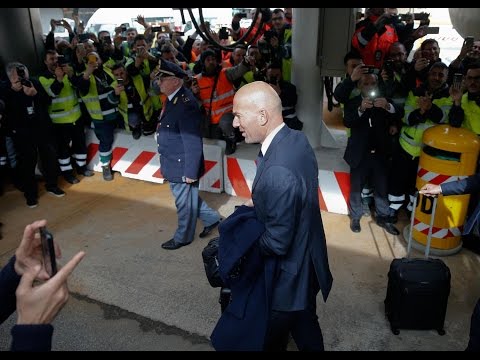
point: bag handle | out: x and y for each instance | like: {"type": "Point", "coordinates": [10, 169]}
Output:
{"type": "Point", "coordinates": [430, 229]}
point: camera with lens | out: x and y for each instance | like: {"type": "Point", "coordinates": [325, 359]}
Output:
{"type": "Point", "coordinates": [268, 35]}
{"type": "Point", "coordinates": [21, 76]}
{"type": "Point", "coordinates": [107, 39]}
{"type": "Point", "coordinates": [372, 69]}
{"type": "Point", "coordinates": [158, 29]}
{"type": "Point", "coordinates": [223, 33]}
{"type": "Point", "coordinates": [264, 49]}
{"type": "Point", "coordinates": [423, 16]}
{"type": "Point", "coordinates": [62, 60]}
{"type": "Point", "coordinates": [389, 66]}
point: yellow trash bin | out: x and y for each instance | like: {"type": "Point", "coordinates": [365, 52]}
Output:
{"type": "Point", "coordinates": [448, 154]}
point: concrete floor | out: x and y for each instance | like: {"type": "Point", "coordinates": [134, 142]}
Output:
{"type": "Point", "coordinates": [121, 225]}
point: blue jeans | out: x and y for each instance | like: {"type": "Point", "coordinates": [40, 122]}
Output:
{"type": "Point", "coordinates": [190, 206]}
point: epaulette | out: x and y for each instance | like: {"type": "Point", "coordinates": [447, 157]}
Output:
{"type": "Point", "coordinates": [185, 99]}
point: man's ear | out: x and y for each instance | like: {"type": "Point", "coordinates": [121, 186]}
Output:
{"type": "Point", "coordinates": [262, 117]}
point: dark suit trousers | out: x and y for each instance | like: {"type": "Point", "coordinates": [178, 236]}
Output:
{"type": "Point", "coordinates": [374, 165]}
{"type": "Point", "coordinates": [303, 324]}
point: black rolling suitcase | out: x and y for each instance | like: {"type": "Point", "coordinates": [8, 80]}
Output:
{"type": "Point", "coordinates": [418, 289]}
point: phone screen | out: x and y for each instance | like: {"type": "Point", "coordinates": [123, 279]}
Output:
{"type": "Point", "coordinates": [457, 79]}
{"type": "Point", "coordinates": [469, 41]}
{"type": "Point", "coordinates": [48, 250]}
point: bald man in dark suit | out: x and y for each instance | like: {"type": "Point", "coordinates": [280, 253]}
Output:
{"type": "Point", "coordinates": [285, 197]}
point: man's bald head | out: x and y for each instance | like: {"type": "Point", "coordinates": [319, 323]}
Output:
{"type": "Point", "coordinates": [257, 111]}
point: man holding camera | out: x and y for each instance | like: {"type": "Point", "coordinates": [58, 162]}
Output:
{"type": "Point", "coordinates": [214, 88]}
{"type": "Point", "coordinates": [287, 93]}
{"type": "Point", "coordinates": [65, 114]}
{"type": "Point", "coordinates": [134, 102]}
{"type": "Point", "coordinates": [368, 116]}
{"type": "Point", "coordinates": [374, 36]}
{"type": "Point", "coordinates": [29, 124]}
{"type": "Point", "coordinates": [279, 39]}
{"type": "Point", "coordinates": [96, 86]}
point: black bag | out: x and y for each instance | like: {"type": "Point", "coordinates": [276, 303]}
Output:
{"type": "Point", "coordinates": [418, 289]}
{"type": "Point", "coordinates": [417, 294]}
{"type": "Point", "coordinates": [210, 261]}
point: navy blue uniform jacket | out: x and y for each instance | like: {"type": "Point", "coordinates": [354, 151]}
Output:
{"type": "Point", "coordinates": [285, 195]}
{"type": "Point", "coordinates": [179, 138]}
{"type": "Point", "coordinates": [24, 337]}
{"type": "Point", "coordinates": [243, 325]}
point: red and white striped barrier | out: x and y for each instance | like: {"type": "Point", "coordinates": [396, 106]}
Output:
{"type": "Point", "coordinates": [138, 159]}
{"type": "Point", "coordinates": [437, 179]}
{"type": "Point", "coordinates": [333, 191]}
{"type": "Point", "coordinates": [438, 233]}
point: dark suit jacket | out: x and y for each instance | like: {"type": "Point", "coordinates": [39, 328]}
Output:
{"type": "Point", "coordinates": [24, 337]}
{"type": "Point", "coordinates": [465, 186]}
{"type": "Point", "coordinates": [179, 138]}
{"type": "Point", "coordinates": [285, 194]}
{"type": "Point", "coordinates": [362, 135]}
{"type": "Point", "coordinates": [249, 275]}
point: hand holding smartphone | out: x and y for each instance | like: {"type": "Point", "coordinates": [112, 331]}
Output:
{"type": "Point", "coordinates": [48, 250]}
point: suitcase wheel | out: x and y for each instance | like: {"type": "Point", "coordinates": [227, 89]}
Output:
{"type": "Point", "coordinates": [395, 331]}
{"type": "Point", "coordinates": [441, 332]}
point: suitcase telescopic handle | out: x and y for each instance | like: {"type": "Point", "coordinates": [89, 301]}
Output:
{"type": "Point", "coordinates": [430, 229]}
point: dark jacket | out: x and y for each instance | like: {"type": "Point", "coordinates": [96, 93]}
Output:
{"type": "Point", "coordinates": [24, 337]}
{"type": "Point", "coordinates": [18, 111]}
{"type": "Point", "coordinates": [369, 131]}
{"type": "Point", "coordinates": [179, 138]}
{"type": "Point", "coordinates": [285, 194]}
{"type": "Point", "coordinates": [243, 325]}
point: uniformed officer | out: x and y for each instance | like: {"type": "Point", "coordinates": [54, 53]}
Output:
{"type": "Point", "coordinates": [180, 147]}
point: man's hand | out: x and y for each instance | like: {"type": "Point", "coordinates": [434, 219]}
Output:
{"type": "Point", "coordinates": [381, 102]}
{"type": "Point", "coordinates": [40, 304]}
{"type": "Point", "coordinates": [53, 25]}
{"type": "Point", "coordinates": [431, 190]}
{"type": "Point", "coordinates": [358, 71]}
{"type": "Point", "coordinates": [29, 90]}
{"type": "Point", "coordinates": [29, 252]}
{"type": "Point", "coordinates": [59, 73]}
{"type": "Point", "coordinates": [189, 181]}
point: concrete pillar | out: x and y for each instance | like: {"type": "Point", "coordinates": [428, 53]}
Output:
{"type": "Point", "coordinates": [306, 73]}
{"type": "Point", "coordinates": [21, 38]}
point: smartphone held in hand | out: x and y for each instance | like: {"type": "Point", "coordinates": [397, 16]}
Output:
{"type": "Point", "coordinates": [48, 250]}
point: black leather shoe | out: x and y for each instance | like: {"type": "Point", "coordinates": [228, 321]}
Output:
{"type": "Point", "coordinates": [70, 178]}
{"type": "Point", "coordinates": [208, 229]}
{"type": "Point", "coordinates": [355, 225]}
{"type": "Point", "coordinates": [388, 226]}
{"type": "Point", "coordinates": [172, 245]}
{"type": "Point", "coordinates": [85, 172]}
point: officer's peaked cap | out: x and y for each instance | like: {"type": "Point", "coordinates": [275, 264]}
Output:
{"type": "Point", "coordinates": [168, 68]}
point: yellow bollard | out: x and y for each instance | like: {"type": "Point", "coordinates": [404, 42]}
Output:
{"type": "Point", "coordinates": [448, 154]}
